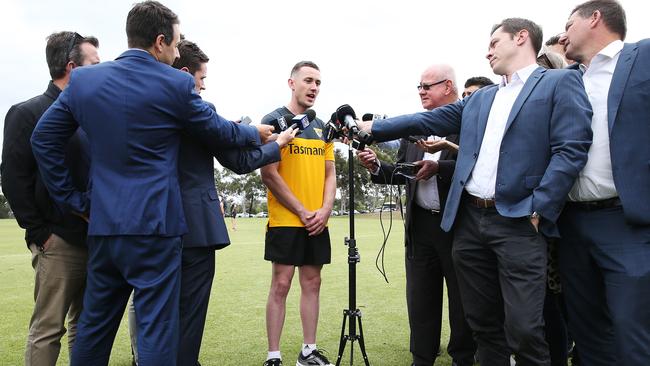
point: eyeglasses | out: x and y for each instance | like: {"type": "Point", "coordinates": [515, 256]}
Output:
{"type": "Point", "coordinates": [426, 87]}
{"type": "Point", "coordinates": [73, 41]}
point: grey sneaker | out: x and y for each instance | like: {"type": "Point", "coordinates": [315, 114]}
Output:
{"type": "Point", "coordinates": [315, 358]}
{"type": "Point", "coordinates": [273, 362]}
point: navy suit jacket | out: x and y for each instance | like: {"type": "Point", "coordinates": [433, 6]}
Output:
{"type": "Point", "coordinates": [544, 147]}
{"type": "Point", "coordinates": [628, 116]}
{"type": "Point", "coordinates": [133, 110]}
{"type": "Point", "coordinates": [205, 221]}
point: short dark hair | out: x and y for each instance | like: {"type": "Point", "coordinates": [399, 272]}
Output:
{"type": "Point", "coordinates": [302, 64]}
{"type": "Point", "coordinates": [514, 25]}
{"type": "Point", "coordinates": [146, 21]}
{"type": "Point", "coordinates": [552, 41]}
{"type": "Point", "coordinates": [191, 56]}
{"type": "Point", "coordinates": [479, 81]}
{"type": "Point", "coordinates": [612, 12]}
{"type": "Point", "coordinates": [63, 47]}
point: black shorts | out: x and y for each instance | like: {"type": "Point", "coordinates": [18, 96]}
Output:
{"type": "Point", "coordinates": [293, 246]}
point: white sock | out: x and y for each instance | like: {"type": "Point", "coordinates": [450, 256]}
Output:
{"type": "Point", "coordinates": [274, 354]}
{"type": "Point", "coordinates": [307, 348]}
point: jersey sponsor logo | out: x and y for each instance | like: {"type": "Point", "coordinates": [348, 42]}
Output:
{"type": "Point", "coordinates": [305, 150]}
{"type": "Point", "coordinates": [319, 132]}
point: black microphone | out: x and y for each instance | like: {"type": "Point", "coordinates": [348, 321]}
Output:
{"type": "Point", "coordinates": [373, 116]}
{"type": "Point", "coordinates": [303, 120]}
{"type": "Point", "coordinates": [332, 129]}
{"type": "Point", "coordinates": [345, 115]}
{"type": "Point", "coordinates": [282, 123]}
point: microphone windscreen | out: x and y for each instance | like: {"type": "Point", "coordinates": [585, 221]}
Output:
{"type": "Point", "coordinates": [345, 110]}
{"type": "Point", "coordinates": [334, 120]}
{"type": "Point", "coordinates": [368, 117]}
{"type": "Point", "coordinates": [311, 114]}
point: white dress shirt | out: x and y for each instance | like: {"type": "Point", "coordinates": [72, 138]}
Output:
{"type": "Point", "coordinates": [596, 182]}
{"type": "Point", "coordinates": [426, 195]}
{"type": "Point", "coordinates": [426, 191]}
{"type": "Point", "coordinates": [484, 175]}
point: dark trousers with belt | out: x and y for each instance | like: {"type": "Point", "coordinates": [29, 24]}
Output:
{"type": "Point", "coordinates": [501, 267]}
{"type": "Point", "coordinates": [605, 270]}
{"type": "Point", "coordinates": [150, 267]}
{"type": "Point", "coordinates": [196, 282]}
{"type": "Point", "coordinates": [428, 261]}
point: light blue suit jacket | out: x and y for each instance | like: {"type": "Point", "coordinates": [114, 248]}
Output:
{"type": "Point", "coordinates": [544, 147]}
{"type": "Point", "coordinates": [133, 110]}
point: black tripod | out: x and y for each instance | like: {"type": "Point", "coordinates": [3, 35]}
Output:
{"type": "Point", "coordinates": [352, 315]}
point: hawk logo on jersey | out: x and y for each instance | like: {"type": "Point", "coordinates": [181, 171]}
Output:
{"type": "Point", "coordinates": [319, 132]}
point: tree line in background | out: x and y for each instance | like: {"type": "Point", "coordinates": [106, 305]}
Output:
{"type": "Point", "coordinates": [249, 193]}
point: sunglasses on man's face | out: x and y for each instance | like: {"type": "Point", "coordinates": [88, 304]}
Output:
{"type": "Point", "coordinates": [426, 86]}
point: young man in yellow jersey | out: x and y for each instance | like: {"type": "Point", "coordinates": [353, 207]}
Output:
{"type": "Point", "coordinates": [301, 190]}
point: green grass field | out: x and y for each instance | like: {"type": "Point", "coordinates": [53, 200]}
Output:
{"type": "Point", "coordinates": [235, 327]}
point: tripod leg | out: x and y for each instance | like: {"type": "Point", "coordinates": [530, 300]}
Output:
{"type": "Point", "coordinates": [343, 339]}
{"type": "Point", "coordinates": [362, 344]}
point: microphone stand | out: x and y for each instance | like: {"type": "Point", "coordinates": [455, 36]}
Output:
{"type": "Point", "coordinates": [352, 315]}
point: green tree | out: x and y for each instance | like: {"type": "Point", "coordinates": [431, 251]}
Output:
{"type": "Point", "coordinates": [362, 183]}
{"type": "Point", "coordinates": [383, 193]}
{"type": "Point", "coordinates": [252, 189]}
{"type": "Point", "coordinates": [223, 182]}
{"type": "Point", "coordinates": [249, 186]}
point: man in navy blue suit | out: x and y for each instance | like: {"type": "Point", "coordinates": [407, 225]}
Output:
{"type": "Point", "coordinates": [207, 228]}
{"type": "Point", "coordinates": [522, 144]}
{"type": "Point", "coordinates": [604, 254]}
{"type": "Point", "coordinates": [201, 203]}
{"type": "Point", "coordinates": [134, 110]}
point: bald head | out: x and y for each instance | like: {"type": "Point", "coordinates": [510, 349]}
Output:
{"type": "Point", "coordinates": [437, 86]}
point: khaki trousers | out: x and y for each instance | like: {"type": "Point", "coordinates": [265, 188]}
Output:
{"type": "Point", "coordinates": [60, 279]}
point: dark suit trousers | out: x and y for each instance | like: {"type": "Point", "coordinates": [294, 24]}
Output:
{"type": "Point", "coordinates": [501, 267]}
{"type": "Point", "coordinates": [196, 282]}
{"type": "Point", "coordinates": [428, 260]}
{"type": "Point", "coordinates": [148, 265]}
{"type": "Point", "coordinates": [605, 271]}
{"type": "Point", "coordinates": [556, 328]}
